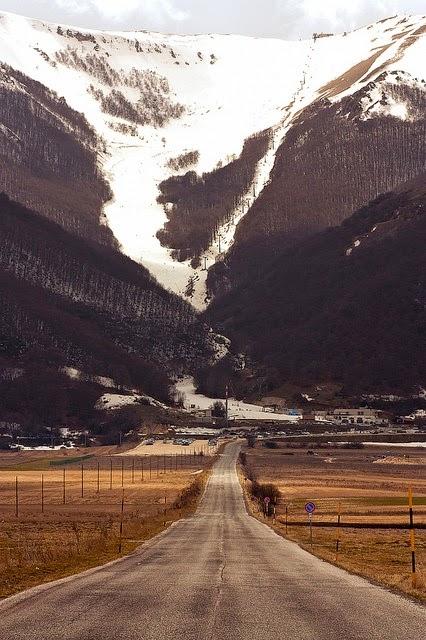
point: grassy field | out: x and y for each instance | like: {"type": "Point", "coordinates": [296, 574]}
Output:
{"type": "Point", "coordinates": [368, 486]}
{"type": "Point", "coordinates": [61, 512]}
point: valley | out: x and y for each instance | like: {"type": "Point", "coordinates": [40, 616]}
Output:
{"type": "Point", "coordinates": [228, 204]}
{"type": "Point", "coordinates": [227, 89]}
{"type": "Point", "coordinates": [212, 323]}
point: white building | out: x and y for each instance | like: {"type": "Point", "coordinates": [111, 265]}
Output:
{"type": "Point", "coordinates": [352, 416]}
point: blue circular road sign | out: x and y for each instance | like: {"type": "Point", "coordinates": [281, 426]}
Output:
{"type": "Point", "coordinates": [310, 507]}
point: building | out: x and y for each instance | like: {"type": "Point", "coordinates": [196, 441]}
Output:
{"type": "Point", "coordinates": [202, 413]}
{"type": "Point", "coordinates": [273, 404]}
{"type": "Point", "coordinates": [352, 416]}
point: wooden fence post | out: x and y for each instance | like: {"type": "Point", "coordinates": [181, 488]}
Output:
{"type": "Point", "coordinates": [412, 538]}
{"type": "Point", "coordinates": [120, 539]}
{"type": "Point", "coordinates": [338, 532]}
{"type": "Point", "coordinates": [16, 497]}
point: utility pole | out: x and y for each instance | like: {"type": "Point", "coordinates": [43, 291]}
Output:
{"type": "Point", "coordinates": [226, 404]}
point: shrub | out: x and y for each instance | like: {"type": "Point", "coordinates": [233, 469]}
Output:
{"type": "Point", "coordinates": [251, 441]}
{"type": "Point", "coordinates": [261, 491]}
{"type": "Point", "coordinates": [218, 409]}
{"type": "Point", "coordinates": [183, 161]}
{"type": "Point", "coordinates": [270, 444]}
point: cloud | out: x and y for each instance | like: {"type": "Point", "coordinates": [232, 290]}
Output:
{"type": "Point", "coordinates": [121, 10]}
{"type": "Point", "coordinates": [278, 18]}
{"type": "Point", "coordinates": [338, 15]}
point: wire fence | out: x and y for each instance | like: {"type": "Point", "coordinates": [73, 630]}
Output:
{"type": "Point", "coordinates": [358, 540]}
{"type": "Point", "coordinates": [88, 479]}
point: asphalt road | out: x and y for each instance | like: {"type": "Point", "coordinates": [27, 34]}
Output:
{"type": "Point", "coordinates": [218, 575]}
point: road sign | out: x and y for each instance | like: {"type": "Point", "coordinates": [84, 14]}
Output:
{"type": "Point", "coordinates": [310, 507]}
{"type": "Point", "coordinates": [266, 500]}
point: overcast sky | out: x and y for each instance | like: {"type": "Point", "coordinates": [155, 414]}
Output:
{"type": "Point", "coordinates": [270, 18]}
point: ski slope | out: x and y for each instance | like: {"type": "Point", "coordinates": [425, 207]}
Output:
{"type": "Point", "coordinates": [230, 87]}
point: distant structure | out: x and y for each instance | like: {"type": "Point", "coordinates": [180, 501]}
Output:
{"type": "Point", "coordinates": [316, 36]}
{"type": "Point", "coordinates": [352, 416]}
{"type": "Point", "coordinates": [274, 404]}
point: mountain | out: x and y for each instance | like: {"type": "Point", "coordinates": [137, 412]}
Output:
{"type": "Point", "coordinates": [336, 157]}
{"type": "Point", "coordinates": [148, 177]}
{"type": "Point", "coordinates": [347, 305]}
{"type": "Point", "coordinates": [144, 109]}
{"type": "Point", "coordinates": [49, 157]}
{"type": "Point", "coordinates": [80, 304]}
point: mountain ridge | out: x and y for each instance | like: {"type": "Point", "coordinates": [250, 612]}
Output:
{"type": "Point", "coordinates": [181, 169]}
{"type": "Point", "coordinates": [347, 305]}
{"type": "Point", "coordinates": [230, 85]}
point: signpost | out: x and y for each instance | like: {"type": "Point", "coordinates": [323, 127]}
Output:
{"type": "Point", "coordinates": [266, 500]}
{"type": "Point", "coordinates": [310, 508]}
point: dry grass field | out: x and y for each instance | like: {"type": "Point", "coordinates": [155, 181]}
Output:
{"type": "Point", "coordinates": [168, 448]}
{"type": "Point", "coordinates": [61, 511]}
{"type": "Point", "coordinates": [368, 486]}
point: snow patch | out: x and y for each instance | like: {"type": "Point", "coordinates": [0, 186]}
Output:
{"type": "Point", "coordinates": [117, 401]}
{"type": "Point", "coordinates": [237, 409]}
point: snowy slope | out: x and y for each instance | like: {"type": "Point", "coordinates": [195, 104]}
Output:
{"type": "Point", "coordinates": [237, 409]}
{"type": "Point", "coordinates": [230, 87]}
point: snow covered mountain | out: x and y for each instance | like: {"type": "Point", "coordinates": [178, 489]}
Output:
{"type": "Point", "coordinates": [214, 107]}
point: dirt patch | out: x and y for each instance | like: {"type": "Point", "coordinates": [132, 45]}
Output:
{"type": "Point", "coordinates": [350, 77]}
{"type": "Point", "coordinates": [170, 449]}
{"type": "Point", "coordinates": [400, 460]}
{"type": "Point", "coordinates": [399, 54]}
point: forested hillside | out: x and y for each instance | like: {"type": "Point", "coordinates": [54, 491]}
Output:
{"type": "Point", "coordinates": [94, 308]}
{"type": "Point", "coordinates": [346, 305]}
{"type": "Point", "coordinates": [199, 205]}
{"type": "Point", "coordinates": [218, 164]}
{"type": "Point", "coordinates": [335, 158]}
{"type": "Point", "coordinates": [49, 157]}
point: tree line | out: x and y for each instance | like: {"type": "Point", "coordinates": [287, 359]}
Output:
{"type": "Point", "coordinates": [200, 205]}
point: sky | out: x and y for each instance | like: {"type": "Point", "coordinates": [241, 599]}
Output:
{"type": "Point", "coordinates": [290, 19]}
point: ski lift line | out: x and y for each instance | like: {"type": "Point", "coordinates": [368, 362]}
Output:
{"type": "Point", "coordinates": [224, 239]}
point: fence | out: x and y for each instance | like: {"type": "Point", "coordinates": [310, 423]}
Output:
{"type": "Point", "coordinates": [84, 511]}
{"type": "Point", "coordinates": [72, 481]}
{"type": "Point", "coordinates": [288, 517]}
